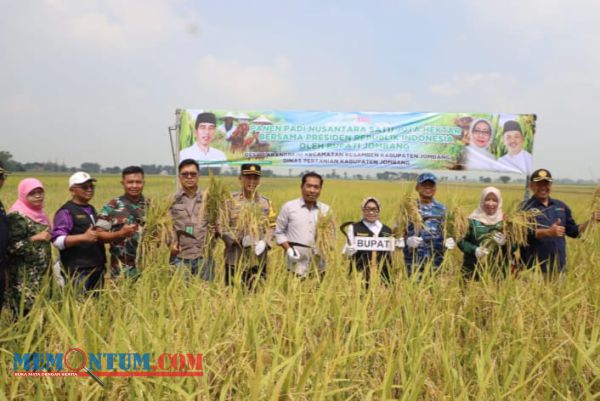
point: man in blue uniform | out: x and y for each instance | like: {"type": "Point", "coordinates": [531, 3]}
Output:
{"type": "Point", "coordinates": [546, 242]}
{"type": "Point", "coordinates": [427, 245]}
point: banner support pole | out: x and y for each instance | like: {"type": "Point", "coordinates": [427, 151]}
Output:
{"type": "Point", "coordinates": [173, 155]}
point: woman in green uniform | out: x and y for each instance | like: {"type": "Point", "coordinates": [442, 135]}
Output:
{"type": "Point", "coordinates": [484, 245]}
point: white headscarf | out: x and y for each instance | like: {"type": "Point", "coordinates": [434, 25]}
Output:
{"type": "Point", "coordinates": [486, 122]}
{"type": "Point", "coordinates": [480, 215]}
{"type": "Point", "coordinates": [480, 158]}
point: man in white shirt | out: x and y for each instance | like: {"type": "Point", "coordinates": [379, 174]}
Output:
{"type": "Point", "coordinates": [296, 226]}
{"type": "Point", "coordinates": [516, 158]}
{"type": "Point", "coordinates": [201, 151]}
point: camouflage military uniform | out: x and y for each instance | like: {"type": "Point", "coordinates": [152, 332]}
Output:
{"type": "Point", "coordinates": [113, 216]}
{"type": "Point", "coordinates": [236, 256]}
{"type": "Point", "coordinates": [432, 247]}
{"type": "Point", "coordinates": [28, 261]}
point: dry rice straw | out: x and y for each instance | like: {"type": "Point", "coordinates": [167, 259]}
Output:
{"type": "Point", "coordinates": [325, 235]}
{"type": "Point", "coordinates": [156, 232]}
{"type": "Point", "coordinates": [408, 212]}
{"type": "Point", "coordinates": [214, 206]}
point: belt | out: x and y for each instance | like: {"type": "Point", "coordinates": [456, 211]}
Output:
{"type": "Point", "coordinates": [300, 245]}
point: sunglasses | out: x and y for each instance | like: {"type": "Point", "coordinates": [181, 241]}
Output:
{"type": "Point", "coordinates": [189, 175]}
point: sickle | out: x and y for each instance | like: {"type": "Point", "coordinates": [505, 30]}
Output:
{"type": "Point", "coordinates": [342, 229]}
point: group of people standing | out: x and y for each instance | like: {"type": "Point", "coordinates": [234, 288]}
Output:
{"type": "Point", "coordinates": [80, 233]}
{"type": "Point", "coordinates": [485, 244]}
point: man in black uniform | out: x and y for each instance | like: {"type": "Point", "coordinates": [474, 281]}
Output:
{"type": "Point", "coordinates": [546, 243]}
{"type": "Point", "coordinates": [3, 240]}
{"type": "Point", "coordinates": [74, 234]}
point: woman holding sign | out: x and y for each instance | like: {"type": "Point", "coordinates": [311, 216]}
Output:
{"type": "Point", "coordinates": [484, 245]}
{"type": "Point", "coordinates": [381, 242]}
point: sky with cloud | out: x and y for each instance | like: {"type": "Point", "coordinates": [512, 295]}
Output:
{"type": "Point", "coordinates": [100, 80]}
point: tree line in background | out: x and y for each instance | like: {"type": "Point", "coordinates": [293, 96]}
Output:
{"type": "Point", "coordinates": [95, 168]}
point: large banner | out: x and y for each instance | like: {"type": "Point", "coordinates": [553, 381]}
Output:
{"type": "Point", "coordinates": [436, 141]}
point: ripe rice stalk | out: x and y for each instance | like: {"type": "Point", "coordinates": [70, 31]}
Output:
{"type": "Point", "coordinates": [591, 234]}
{"type": "Point", "coordinates": [408, 212]}
{"type": "Point", "coordinates": [214, 205]}
{"type": "Point", "coordinates": [456, 224]}
{"type": "Point", "coordinates": [325, 235]}
{"type": "Point", "coordinates": [518, 223]}
{"type": "Point", "coordinates": [156, 230]}
{"type": "Point", "coordinates": [248, 219]}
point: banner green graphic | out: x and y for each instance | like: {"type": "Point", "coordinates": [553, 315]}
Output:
{"type": "Point", "coordinates": [436, 141]}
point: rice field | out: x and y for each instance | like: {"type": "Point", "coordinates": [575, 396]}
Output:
{"type": "Point", "coordinates": [522, 338]}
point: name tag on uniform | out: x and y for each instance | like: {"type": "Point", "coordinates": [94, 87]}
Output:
{"type": "Point", "coordinates": [81, 217]}
{"type": "Point", "coordinates": [189, 230]}
{"type": "Point", "coordinates": [374, 244]}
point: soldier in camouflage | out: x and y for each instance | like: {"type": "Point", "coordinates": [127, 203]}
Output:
{"type": "Point", "coordinates": [428, 244]}
{"type": "Point", "coordinates": [120, 222]}
{"type": "Point", "coordinates": [29, 251]}
{"type": "Point", "coordinates": [247, 242]}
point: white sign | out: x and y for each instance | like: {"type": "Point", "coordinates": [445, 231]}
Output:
{"type": "Point", "coordinates": [374, 243]}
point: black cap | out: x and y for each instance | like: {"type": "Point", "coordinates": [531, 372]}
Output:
{"type": "Point", "coordinates": [511, 125]}
{"type": "Point", "coordinates": [541, 175]}
{"type": "Point", "coordinates": [206, 118]}
{"type": "Point", "coordinates": [250, 169]}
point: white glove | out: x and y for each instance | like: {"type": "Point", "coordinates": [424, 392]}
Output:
{"type": "Point", "coordinates": [259, 247]}
{"type": "Point", "coordinates": [414, 242]}
{"type": "Point", "coordinates": [399, 243]}
{"type": "Point", "coordinates": [481, 252]}
{"type": "Point", "coordinates": [450, 243]}
{"type": "Point", "coordinates": [292, 254]}
{"type": "Point", "coordinates": [499, 238]}
{"type": "Point", "coordinates": [246, 241]}
{"type": "Point", "coordinates": [60, 280]}
{"type": "Point", "coordinates": [349, 250]}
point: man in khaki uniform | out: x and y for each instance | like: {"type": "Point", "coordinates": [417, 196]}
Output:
{"type": "Point", "coordinates": [190, 229]}
{"type": "Point", "coordinates": [250, 232]}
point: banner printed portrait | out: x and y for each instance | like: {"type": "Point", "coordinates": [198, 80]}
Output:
{"type": "Point", "coordinates": [437, 141]}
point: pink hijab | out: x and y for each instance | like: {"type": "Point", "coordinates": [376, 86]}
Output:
{"type": "Point", "coordinates": [35, 213]}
